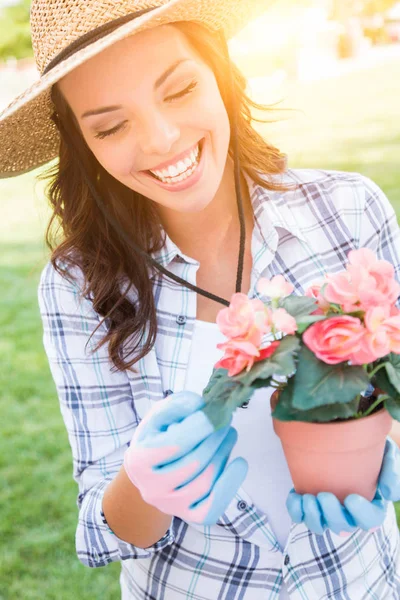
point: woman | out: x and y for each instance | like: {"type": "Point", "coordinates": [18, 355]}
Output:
{"type": "Point", "coordinates": [152, 128]}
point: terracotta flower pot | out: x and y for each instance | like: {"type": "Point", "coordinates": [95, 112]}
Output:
{"type": "Point", "coordinates": [343, 458]}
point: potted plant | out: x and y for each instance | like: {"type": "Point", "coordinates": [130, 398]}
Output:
{"type": "Point", "coordinates": [322, 352]}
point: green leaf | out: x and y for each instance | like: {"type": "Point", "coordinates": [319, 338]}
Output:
{"type": "Point", "coordinates": [304, 322]}
{"type": "Point", "coordinates": [298, 306]}
{"type": "Point", "coordinates": [284, 411]}
{"type": "Point", "coordinates": [317, 384]}
{"type": "Point", "coordinates": [393, 370]}
{"type": "Point", "coordinates": [393, 408]}
{"type": "Point", "coordinates": [381, 380]}
{"type": "Point", "coordinates": [220, 412]}
{"type": "Point", "coordinates": [282, 362]}
{"type": "Point", "coordinates": [222, 396]}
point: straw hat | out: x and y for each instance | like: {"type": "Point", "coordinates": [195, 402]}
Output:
{"type": "Point", "coordinates": [66, 33]}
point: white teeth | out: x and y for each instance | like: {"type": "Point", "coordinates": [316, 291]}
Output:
{"type": "Point", "coordinates": [173, 171]}
{"type": "Point", "coordinates": [185, 175]}
{"type": "Point", "coordinates": [181, 168]}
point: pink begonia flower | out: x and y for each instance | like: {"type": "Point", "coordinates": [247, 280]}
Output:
{"type": "Point", "coordinates": [239, 355]}
{"type": "Point", "coordinates": [283, 321]}
{"type": "Point", "coordinates": [367, 282]}
{"type": "Point", "coordinates": [341, 290]}
{"type": "Point", "coordinates": [374, 278]}
{"type": "Point", "coordinates": [241, 316]}
{"type": "Point", "coordinates": [336, 339]}
{"type": "Point", "coordinates": [382, 334]}
{"type": "Point", "coordinates": [365, 258]}
{"type": "Point", "coordinates": [363, 356]}
{"type": "Point", "coordinates": [383, 330]}
{"type": "Point", "coordinates": [394, 311]}
{"type": "Point", "coordinates": [377, 289]}
{"type": "Point", "coordinates": [314, 291]}
{"type": "Point", "coordinates": [376, 343]}
{"type": "Point", "coordinates": [263, 318]}
{"type": "Point", "coordinates": [392, 325]}
{"type": "Point", "coordinates": [277, 287]}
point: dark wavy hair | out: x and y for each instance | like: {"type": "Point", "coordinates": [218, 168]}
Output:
{"type": "Point", "coordinates": [78, 234]}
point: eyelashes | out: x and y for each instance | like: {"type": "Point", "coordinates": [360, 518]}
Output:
{"type": "Point", "coordinates": [184, 92]}
{"type": "Point", "coordinates": [103, 134]}
{"type": "Point", "coordinates": [189, 89]}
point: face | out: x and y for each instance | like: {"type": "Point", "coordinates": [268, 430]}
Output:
{"type": "Point", "coordinates": [151, 112]}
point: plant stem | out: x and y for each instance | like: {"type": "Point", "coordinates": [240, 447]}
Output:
{"type": "Point", "coordinates": [277, 384]}
{"type": "Point", "coordinates": [376, 370]}
{"type": "Point", "coordinates": [375, 404]}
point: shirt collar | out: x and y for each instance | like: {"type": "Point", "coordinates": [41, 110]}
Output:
{"type": "Point", "coordinates": [271, 209]}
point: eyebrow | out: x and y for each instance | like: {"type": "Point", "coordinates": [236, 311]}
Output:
{"type": "Point", "coordinates": [158, 83]}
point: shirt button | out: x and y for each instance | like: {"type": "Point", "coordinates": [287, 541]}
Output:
{"type": "Point", "coordinates": [242, 505]}
{"type": "Point", "coordinates": [245, 404]}
{"type": "Point", "coordinates": [181, 319]}
{"type": "Point", "coordinates": [287, 559]}
{"type": "Point", "coordinates": [168, 393]}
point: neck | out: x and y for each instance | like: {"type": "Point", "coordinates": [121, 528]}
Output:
{"type": "Point", "coordinates": [218, 223]}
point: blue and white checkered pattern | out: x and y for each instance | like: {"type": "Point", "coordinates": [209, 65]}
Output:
{"type": "Point", "coordinates": [302, 234]}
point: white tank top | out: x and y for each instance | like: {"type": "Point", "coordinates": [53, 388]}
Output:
{"type": "Point", "coordinates": [268, 480]}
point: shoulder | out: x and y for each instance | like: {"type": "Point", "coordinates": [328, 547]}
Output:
{"type": "Point", "coordinates": [63, 293]}
{"type": "Point", "coordinates": [317, 194]}
{"type": "Point", "coordinates": [71, 281]}
{"type": "Point", "coordinates": [317, 184]}
{"type": "Point", "coordinates": [67, 292]}
{"type": "Point", "coordinates": [342, 192]}
{"type": "Point", "coordinates": [324, 206]}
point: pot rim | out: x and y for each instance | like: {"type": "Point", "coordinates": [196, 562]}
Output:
{"type": "Point", "coordinates": [339, 437]}
{"type": "Point", "coordinates": [346, 422]}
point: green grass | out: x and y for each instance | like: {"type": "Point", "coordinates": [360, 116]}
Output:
{"type": "Point", "coordinates": [348, 123]}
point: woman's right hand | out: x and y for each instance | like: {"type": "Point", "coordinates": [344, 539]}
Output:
{"type": "Point", "coordinates": [177, 461]}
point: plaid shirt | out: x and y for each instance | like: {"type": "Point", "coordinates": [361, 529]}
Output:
{"type": "Point", "coordinates": [301, 233]}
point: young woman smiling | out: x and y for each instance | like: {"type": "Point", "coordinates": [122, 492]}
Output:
{"type": "Point", "coordinates": [165, 202]}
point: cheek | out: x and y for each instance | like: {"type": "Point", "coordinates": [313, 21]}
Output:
{"type": "Point", "coordinates": [214, 117]}
{"type": "Point", "coordinates": [116, 159]}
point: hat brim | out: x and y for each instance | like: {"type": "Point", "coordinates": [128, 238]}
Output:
{"type": "Point", "coordinates": [28, 136]}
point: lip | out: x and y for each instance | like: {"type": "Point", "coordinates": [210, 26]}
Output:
{"type": "Point", "coordinates": [189, 181]}
{"type": "Point", "coordinates": [176, 159]}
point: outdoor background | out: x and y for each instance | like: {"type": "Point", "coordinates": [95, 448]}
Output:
{"type": "Point", "coordinates": [337, 64]}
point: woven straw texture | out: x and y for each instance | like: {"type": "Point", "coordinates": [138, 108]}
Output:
{"type": "Point", "coordinates": [28, 137]}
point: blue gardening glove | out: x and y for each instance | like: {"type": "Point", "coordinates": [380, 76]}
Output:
{"type": "Point", "coordinates": [389, 477]}
{"type": "Point", "coordinates": [177, 460]}
{"type": "Point", "coordinates": [324, 511]}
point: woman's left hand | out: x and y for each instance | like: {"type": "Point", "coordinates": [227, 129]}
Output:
{"type": "Point", "coordinates": [324, 511]}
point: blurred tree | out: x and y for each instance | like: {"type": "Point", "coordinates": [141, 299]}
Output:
{"type": "Point", "coordinates": [373, 7]}
{"type": "Point", "coordinates": [343, 9]}
{"type": "Point", "coordinates": [15, 40]}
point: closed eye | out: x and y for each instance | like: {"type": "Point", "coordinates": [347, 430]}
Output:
{"type": "Point", "coordinates": [184, 92]}
{"type": "Point", "coordinates": [103, 134]}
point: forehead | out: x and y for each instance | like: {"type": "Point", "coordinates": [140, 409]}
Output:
{"type": "Point", "coordinates": [140, 58]}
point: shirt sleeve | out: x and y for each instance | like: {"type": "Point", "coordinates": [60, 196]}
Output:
{"type": "Point", "coordinates": [98, 409]}
{"type": "Point", "coordinates": [379, 227]}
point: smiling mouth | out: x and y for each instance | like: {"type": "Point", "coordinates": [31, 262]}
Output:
{"type": "Point", "coordinates": [184, 168]}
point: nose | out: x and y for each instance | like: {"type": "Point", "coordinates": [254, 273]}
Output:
{"type": "Point", "coordinates": [157, 134]}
